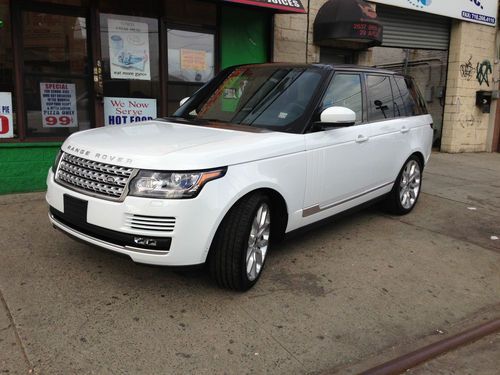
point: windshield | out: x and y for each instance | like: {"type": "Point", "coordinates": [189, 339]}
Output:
{"type": "Point", "coordinates": [265, 96]}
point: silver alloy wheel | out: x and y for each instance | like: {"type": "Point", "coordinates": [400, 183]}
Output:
{"type": "Point", "coordinates": [258, 241]}
{"type": "Point", "coordinates": [410, 184]}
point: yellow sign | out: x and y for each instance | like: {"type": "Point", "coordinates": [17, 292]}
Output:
{"type": "Point", "coordinates": [193, 60]}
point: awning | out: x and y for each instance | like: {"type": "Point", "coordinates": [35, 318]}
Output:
{"type": "Point", "coordinates": [281, 6]}
{"type": "Point", "coordinates": [351, 24]}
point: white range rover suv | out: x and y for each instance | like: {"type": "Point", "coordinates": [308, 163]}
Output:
{"type": "Point", "coordinates": [257, 152]}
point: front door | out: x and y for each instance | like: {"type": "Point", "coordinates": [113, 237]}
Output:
{"type": "Point", "coordinates": [340, 162]}
{"type": "Point", "coordinates": [56, 70]}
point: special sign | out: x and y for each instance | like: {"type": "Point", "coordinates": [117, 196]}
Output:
{"type": "Point", "coordinates": [6, 124]}
{"type": "Point", "coordinates": [58, 105]}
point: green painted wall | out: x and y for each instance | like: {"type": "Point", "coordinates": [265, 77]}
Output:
{"type": "Point", "coordinates": [24, 166]}
{"type": "Point", "coordinates": [244, 36]}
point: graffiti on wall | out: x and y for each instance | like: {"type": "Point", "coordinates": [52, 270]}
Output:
{"type": "Point", "coordinates": [467, 70]}
{"type": "Point", "coordinates": [483, 71]}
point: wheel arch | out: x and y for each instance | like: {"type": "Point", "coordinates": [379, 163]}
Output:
{"type": "Point", "coordinates": [278, 205]}
{"type": "Point", "coordinates": [420, 157]}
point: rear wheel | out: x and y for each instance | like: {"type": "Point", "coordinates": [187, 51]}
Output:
{"type": "Point", "coordinates": [241, 244]}
{"type": "Point", "coordinates": [406, 190]}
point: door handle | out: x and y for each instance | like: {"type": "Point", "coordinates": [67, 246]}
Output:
{"type": "Point", "coordinates": [361, 138]}
{"type": "Point", "coordinates": [404, 130]}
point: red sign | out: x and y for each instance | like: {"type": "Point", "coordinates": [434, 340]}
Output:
{"type": "Point", "coordinates": [6, 119]}
{"type": "Point", "coordinates": [286, 6]}
{"type": "Point", "coordinates": [4, 124]}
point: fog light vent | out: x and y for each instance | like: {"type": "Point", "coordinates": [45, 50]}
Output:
{"type": "Point", "coordinates": [151, 223]}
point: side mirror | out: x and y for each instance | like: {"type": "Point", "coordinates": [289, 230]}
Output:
{"type": "Point", "coordinates": [181, 103]}
{"type": "Point", "coordinates": [338, 116]}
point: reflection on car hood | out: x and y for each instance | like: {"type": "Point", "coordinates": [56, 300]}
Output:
{"type": "Point", "coordinates": [167, 145]}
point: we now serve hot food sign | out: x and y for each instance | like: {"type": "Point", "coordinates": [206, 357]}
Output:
{"type": "Point", "coordinates": [121, 111]}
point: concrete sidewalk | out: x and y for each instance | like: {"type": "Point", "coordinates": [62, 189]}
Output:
{"type": "Point", "coordinates": [340, 298]}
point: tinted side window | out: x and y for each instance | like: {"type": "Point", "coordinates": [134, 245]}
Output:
{"type": "Point", "coordinates": [413, 101]}
{"type": "Point", "coordinates": [381, 103]}
{"type": "Point", "coordinates": [345, 91]}
{"type": "Point", "coordinates": [399, 100]}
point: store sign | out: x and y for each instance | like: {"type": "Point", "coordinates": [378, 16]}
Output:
{"type": "Point", "coordinates": [349, 24]}
{"type": "Point", "coordinates": [129, 49]}
{"type": "Point", "coordinates": [478, 11]}
{"type": "Point", "coordinates": [58, 105]}
{"type": "Point", "coordinates": [291, 6]}
{"type": "Point", "coordinates": [6, 122]}
{"type": "Point", "coordinates": [121, 111]}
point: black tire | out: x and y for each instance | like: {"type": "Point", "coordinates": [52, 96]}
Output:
{"type": "Point", "coordinates": [227, 258]}
{"type": "Point", "coordinates": [393, 203]}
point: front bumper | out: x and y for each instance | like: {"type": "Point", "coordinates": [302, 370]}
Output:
{"type": "Point", "coordinates": [107, 223]}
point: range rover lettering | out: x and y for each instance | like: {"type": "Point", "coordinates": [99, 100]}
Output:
{"type": "Point", "coordinates": [257, 152]}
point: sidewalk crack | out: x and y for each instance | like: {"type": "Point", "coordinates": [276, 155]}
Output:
{"type": "Point", "coordinates": [16, 332]}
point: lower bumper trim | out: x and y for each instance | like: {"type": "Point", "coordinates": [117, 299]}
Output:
{"type": "Point", "coordinates": [99, 242]}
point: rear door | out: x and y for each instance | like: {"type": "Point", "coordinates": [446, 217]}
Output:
{"type": "Point", "coordinates": [389, 125]}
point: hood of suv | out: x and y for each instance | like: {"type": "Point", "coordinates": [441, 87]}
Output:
{"type": "Point", "coordinates": [165, 145]}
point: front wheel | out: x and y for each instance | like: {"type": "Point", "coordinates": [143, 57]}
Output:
{"type": "Point", "coordinates": [404, 195]}
{"type": "Point", "coordinates": [241, 243]}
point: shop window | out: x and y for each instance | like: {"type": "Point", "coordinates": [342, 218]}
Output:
{"type": "Point", "coordinates": [380, 100]}
{"type": "Point", "coordinates": [191, 63]}
{"type": "Point", "coordinates": [7, 124]}
{"type": "Point", "coordinates": [131, 68]}
{"type": "Point", "coordinates": [57, 74]}
{"type": "Point", "coordinates": [345, 91]}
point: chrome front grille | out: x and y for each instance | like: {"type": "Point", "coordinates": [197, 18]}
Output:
{"type": "Point", "coordinates": [94, 178]}
{"type": "Point", "coordinates": [153, 223]}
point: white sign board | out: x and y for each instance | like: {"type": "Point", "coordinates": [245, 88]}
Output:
{"type": "Point", "coordinates": [6, 122]}
{"type": "Point", "coordinates": [478, 11]}
{"type": "Point", "coordinates": [129, 49]}
{"type": "Point", "coordinates": [121, 111]}
{"type": "Point", "coordinates": [58, 105]}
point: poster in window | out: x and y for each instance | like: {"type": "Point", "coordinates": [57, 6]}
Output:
{"type": "Point", "coordinates": [192, 59]}
{"type": "Point", "coordinates": [58, 105]}
{"type": "Point", "coordinates": [122, 111]}
{"type": "Point", "coordinates": [129, 49]}
{"type": "Point", "coordinates": [6, 121]}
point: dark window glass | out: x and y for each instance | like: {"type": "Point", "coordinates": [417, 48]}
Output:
{"type": "Point", "coordinates": [266, 96]}
{"type": "Point", "coordinates": [292, 102]}
{"type": "Point", "coordinates": [380, 99]}
{"type": "Point", "coordinates": [409, 102]}
{"type": "Point", "coordinates": [399, 103]}
{"type": "Point", "coordinates": [417, 95]}
{"type": "Point", "coordinates": [345, 91]}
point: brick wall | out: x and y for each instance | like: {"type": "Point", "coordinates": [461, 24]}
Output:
{"type": "Point", "coordinates": [465, 127]}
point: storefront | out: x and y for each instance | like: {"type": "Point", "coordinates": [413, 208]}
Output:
{"type": "Point", "coordinates": [71, 65]}
{"type": "Point", "coordinates": [452, 51]}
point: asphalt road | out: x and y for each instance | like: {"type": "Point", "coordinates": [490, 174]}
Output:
{"type": "Point", "coordinates": [339, 298]}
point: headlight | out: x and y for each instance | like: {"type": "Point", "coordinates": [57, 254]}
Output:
{"type": "Point", "coordinates": [56, 162]}
{"type": "Point", "coordinates": [171, 185]}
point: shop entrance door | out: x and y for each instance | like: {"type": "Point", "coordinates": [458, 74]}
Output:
{"type": "Point", "coordinates": [130, 63]}
{"type": "Point", "coordinates": [55, 69]}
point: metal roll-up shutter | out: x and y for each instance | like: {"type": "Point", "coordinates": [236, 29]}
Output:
{"type": "Point", "coordinates": [407, 28]}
